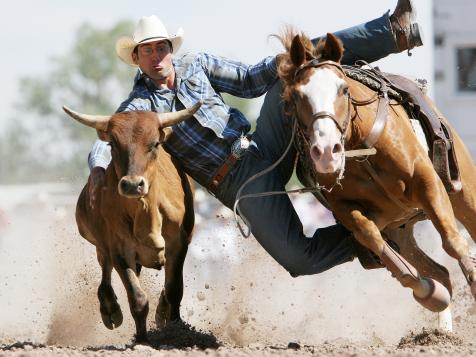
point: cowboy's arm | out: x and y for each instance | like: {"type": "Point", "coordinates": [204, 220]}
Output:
{"type": "Point", "coordinates": [239, 79]}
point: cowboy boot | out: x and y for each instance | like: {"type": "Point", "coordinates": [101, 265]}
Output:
{"type": "Point", "coordinates": [428, 292]}
{"type": "Point", "coordinates": [406, 31]}
{"type": "Point", "coordinates": [468, 266]}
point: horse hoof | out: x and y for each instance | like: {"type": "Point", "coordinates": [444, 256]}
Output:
{"type": "Point", "coordinates": [438, 299]}
{"type": "Point", "coordinates": [112, 320]}
{"type": "Point", "coordinates": [468, 266]}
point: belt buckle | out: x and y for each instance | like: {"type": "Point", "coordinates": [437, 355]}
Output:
{"type": "Point", "coordinates": [239, 146]}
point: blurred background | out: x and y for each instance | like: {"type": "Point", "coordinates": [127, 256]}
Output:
{"type": "Point", "coordinates": [62, 52]}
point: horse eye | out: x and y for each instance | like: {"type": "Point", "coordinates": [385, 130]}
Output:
{"type": "Point", "coordinates": [345, 90]}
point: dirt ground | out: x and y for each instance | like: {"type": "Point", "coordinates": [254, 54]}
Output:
{"type": "Point", "coordinates": [237, 300]}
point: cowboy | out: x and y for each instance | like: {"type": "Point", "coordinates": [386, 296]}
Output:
{"type": "Point", "coordinates": [215, 147]}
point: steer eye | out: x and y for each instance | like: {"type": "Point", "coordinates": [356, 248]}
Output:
{"type": "Point", "coordinates": [154, 146]}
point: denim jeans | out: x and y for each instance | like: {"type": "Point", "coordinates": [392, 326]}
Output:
{"type": "Point", "coordinates": [273, 220]}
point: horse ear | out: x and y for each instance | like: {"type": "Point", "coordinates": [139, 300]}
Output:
{"type": "Point", "coordinates": [297, 52]}
{"type": "Point", "coordinates": [333, 49]}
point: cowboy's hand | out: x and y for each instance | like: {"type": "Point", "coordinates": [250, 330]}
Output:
{"type": "Point", "coordinates": [96, 184]}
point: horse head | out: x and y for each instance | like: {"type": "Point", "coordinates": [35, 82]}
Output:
{"type": "Point", "coordinates": [317, 95]}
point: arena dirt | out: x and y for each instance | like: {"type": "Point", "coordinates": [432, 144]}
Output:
{"type": "Point", "coordinates": [237, 300]}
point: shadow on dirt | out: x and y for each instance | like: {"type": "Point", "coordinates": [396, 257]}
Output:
{"type": "Point", "coordinates": [178, 334]}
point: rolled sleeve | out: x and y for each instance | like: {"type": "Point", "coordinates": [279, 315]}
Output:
{"type": "Point", "coordinates": [237, 78]}
{"type": "Point", "coordinates": [100, 155]}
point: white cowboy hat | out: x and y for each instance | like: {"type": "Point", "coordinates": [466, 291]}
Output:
{"type": "Point", "coordinates": [149, 29]}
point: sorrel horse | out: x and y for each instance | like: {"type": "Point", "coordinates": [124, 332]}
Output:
{"type": "Point", "coordinates": [384, 190]}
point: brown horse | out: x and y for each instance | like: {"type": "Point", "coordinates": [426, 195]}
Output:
{"type": "Point", "coordinates": [384, 190]}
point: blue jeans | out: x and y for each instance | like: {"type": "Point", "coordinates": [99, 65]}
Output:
{"type": "Point", "coordinates": [274, 222]}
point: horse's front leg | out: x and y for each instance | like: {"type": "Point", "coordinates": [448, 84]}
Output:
{"type": "Point", "coordinates": [428, 292]}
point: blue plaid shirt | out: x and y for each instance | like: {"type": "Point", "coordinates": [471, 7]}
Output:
{"type": "Point", "coordinates": [202, 143]}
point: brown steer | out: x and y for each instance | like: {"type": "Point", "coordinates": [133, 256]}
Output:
{"type": "Point", "coordinates": [143, 217]}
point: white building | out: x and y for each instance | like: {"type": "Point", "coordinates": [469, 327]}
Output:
{"type": "Point", "coordinates": [455, 65]}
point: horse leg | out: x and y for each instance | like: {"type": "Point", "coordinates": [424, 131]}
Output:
{"type": "Point", "coordinates": [464, 202]}
{"type": "Point", "coordinates": [409, 249]}
{"type": "Point", "coordinates": [428, 292]}
{"type": "Point", "coordinates": [111, 313]}
{"type": "Point", "coordinates": [172, 293]}
{"type": "Point", "coordinates": [138, 302]}
{"type": "Point", "coordinates": [404, 239]}
{"type": "Point", "coordinates": [435, 201]}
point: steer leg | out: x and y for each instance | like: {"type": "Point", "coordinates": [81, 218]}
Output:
{"type": "Point", "coordinates": [111, 313]}
{"type": "Point", "coordinates": [138, 302]}
{"type": "Point", "coordinates": [171, 296]}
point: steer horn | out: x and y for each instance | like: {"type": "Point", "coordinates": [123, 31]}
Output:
{"type": "Point", "coordinates": [94, 121]}
{"type": "Point", "coordinates": [170, 119]}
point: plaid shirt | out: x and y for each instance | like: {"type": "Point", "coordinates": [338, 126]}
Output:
{"type": "Point", "coordinates": [202, 143]}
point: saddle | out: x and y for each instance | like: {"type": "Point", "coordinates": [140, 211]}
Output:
{"type": "Point", "coordinates": [410, 95]}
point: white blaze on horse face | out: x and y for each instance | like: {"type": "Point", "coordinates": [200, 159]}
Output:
{"type": "Point", "coordinates": [321, 91]}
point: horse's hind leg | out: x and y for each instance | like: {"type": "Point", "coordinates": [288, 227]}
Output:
{"type": "Point", "coordinates": [431, 194]}
{"type": "Point", "coordinates": [464, 202]}
{"type": "Point", "coordinates": [111, 313]}
{"type": "Point", "coordinates": [408, 248]}
{"type": "Point", "coordinates": [428, 292]}
{"type": "Point", "coordinates": [404, 239]}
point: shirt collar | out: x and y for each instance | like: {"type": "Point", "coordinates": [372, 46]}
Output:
{"type": "Point", "coordinates": [142, 78]}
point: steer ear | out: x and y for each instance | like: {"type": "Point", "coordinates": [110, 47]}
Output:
{"type": "Point", "coordinates": [98, 122]}
{"type": "Point", "coordinates": [165, 133]}
{"type": "Point", "coordinates": [170, 119]}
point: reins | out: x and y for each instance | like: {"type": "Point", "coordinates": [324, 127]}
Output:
{"type": "Point", "coordinates": [317, 188]}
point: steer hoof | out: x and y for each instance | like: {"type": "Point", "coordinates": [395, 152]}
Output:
{"type": "Point", "coordinates": [112, 319]}
{"type": "Point", "coordinates": [438, 299]}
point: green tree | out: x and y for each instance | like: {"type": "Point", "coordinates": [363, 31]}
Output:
{"type": "Point", "coordinates": [88, 78]}
{"type": "Point", "coordinates": [46, 144]}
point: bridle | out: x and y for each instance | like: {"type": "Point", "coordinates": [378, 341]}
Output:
{"type": "Point", "coordinates": [298, 132]}
{"type": "Point", "coordinates": [341, 123]}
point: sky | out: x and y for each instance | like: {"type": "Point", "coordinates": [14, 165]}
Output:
{"type": "Point", "coordinates": [34, 31]}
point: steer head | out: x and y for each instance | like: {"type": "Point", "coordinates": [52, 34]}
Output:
{"type": "Point", "coordinates": [135, 138]}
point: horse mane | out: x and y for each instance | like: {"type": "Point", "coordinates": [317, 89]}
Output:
{"type": "Point", "coordinates": [286, 67]}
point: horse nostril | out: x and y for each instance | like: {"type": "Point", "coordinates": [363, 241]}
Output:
{"type": "Point", "coordinates": [315, 152]}
{"type": "Point", "coordinates": [337, 149]}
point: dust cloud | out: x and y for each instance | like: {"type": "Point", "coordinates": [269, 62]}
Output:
{"type": "Point", "coordinates": [49, 277]}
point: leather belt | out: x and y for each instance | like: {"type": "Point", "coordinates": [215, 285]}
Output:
{"type": "Point", "coordinates": [238, 148]}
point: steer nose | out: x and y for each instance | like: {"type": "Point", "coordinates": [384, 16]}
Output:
{"type": "Point", "coordinates": [133, 186]}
